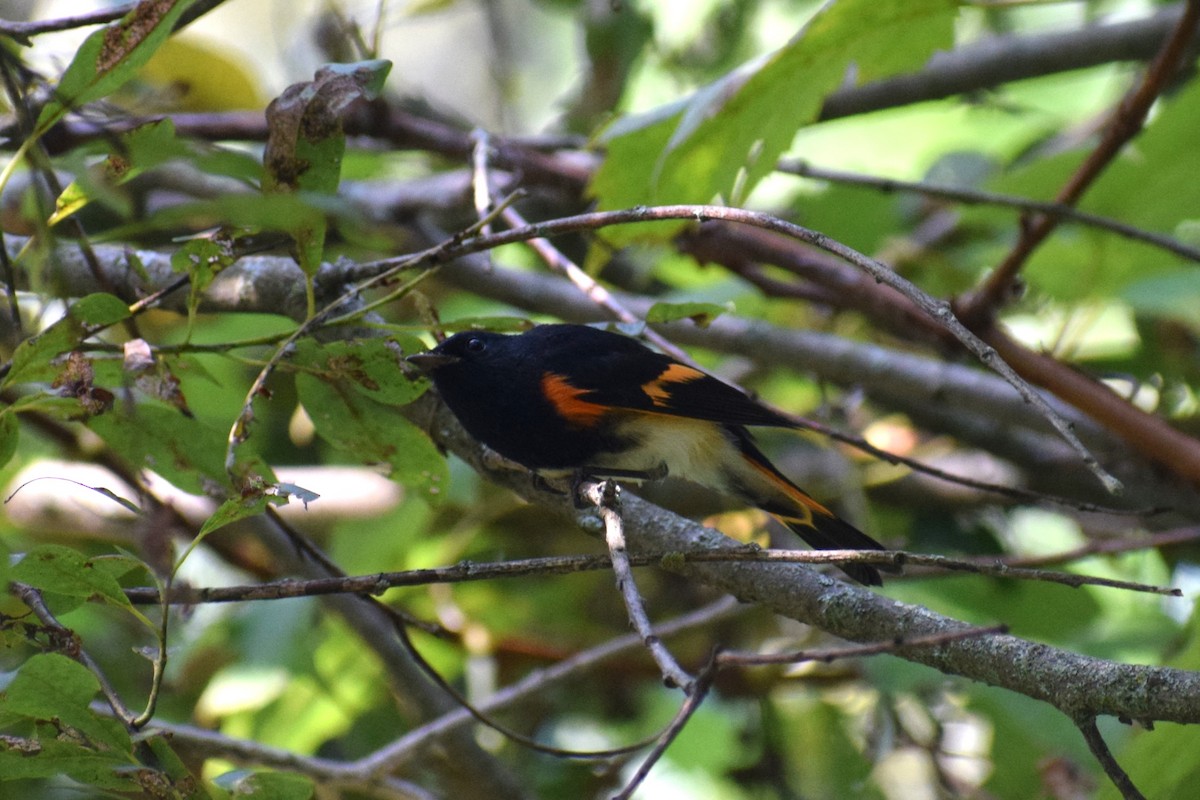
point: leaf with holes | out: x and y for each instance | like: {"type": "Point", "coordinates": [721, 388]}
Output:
{"type": "Point", "coordinates": [110, 57]}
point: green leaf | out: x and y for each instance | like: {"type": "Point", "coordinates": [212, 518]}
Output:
{"type": "Point", "coordinates": [10, 437]}
{"type": "Point", "coordinates": [1162, 762]}
{"type": "Point", "coordinates": [372, 432]}
{"type": "Point", "coordinates": [1148, 187]}
{"type": "Point", "coordinates": [50, 686]}
{"type": "Point", "coordinates": [230, 163]}
{"type": "Point", "coordinates": [832, 765]}
{"type": "Point", "coordinates": [37, 351]}
{"type": "Point", "coordinates": [1173, 295]}
{"type": "Point", "coordinates": [305, 142]}
{"type": "Point", "coordinates": [46, 684]}
{"type": "Point", "coordinates": [67, 572]}
{"type": "Point", "coordinates": [168, 761]}
{"type": "Point", "coordinates": [264, 785]}
{"type": "Point", "coordinates": [496, 324]}
{"type": "Point", "coordinates": [1022, 605]}
{"type": "Point", "coordinates": [370, 366]}
{"type": "Point", "coordinates": [1024, 732]}
{"type": "Point", "coordinates": [730, 134]}
{"type": "Point", "coordinates": [202, 260]}
{"type": "Point", "coordinates": [233, 509]}
{"type": "Point", "coordinates": [56, 406]}
{"type": "Point", "coordinates": [100, 309]}
{"type": "Point", "coordinates": [700, 313]}
{"type": "Point", "coordinates": [110, 57]}
{"type": "Point", "coordinates": [135, 151]}
{"type": "Point", "coordinates": [55, 758]}
{"type": "Point", "coordinates": [33, 354]}
{"type": "Point", "coordinates": [151, 436]}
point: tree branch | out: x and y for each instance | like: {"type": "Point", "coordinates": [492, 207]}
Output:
{"type": "Point", "coordinates": [1099, 748]}
{"type": "Point", "coordinates": [605, 496]}
{"type": "Point", "coordinates": [1005, 59]}
{"type": "Point", "coordinates": [979, 308]}
{"type": "Point", "coordinates": [1077, 685]}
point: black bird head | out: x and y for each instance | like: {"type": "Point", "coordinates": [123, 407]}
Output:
{"type": "Point", "coordinates": [460, 353]}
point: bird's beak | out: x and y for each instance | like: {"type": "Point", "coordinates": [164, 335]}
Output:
{"type": "Point", "coordinates": [427, 362]}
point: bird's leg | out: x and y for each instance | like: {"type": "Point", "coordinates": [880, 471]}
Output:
{"type": "Point", "coordinates": [596, 474]}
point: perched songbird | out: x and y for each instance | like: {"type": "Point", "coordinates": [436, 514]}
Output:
{"type": "Point", "coordinates": [569, 399]}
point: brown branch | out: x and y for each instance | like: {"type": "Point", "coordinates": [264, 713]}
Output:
{"type": "Point", "coordinates": [896, 379]}
{"type": "Point", "coordinates": [937, 310]}
{"type": "Point", "coordinates": [929, 390]}
{"type": "Point", "coordinates": [978, 308]}
{"type": "Point", "coordinates": [696, 694]}
{"type": "Point", "coordinates": [22, 31]}
{"type": "Point", "coordinates": [737, 247]}
{"type": "Point", "coordinates": [975, 67]}
{"type": "Point", "coordinates": [1147, 433]}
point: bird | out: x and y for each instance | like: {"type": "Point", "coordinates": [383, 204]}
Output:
{"type": "Point", "coordinates": [573, 400]}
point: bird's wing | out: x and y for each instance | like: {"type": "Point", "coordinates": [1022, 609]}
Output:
{"type": "Point", "coordinates": [653, 383]}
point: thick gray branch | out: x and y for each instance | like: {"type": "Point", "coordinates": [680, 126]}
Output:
{"type": "Point", "coordinates": [1077, 685]}
{"type": "Point", "coordinates": [993, 62]}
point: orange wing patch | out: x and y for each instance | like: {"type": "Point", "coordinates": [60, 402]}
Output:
{"type": "Point", "coordinates": [659, 391]}
{"type": "Point", "coordinates": [567, 401]}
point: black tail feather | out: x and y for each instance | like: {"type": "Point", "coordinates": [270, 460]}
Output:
{"type": "Point", "coordinates": [832, 533]}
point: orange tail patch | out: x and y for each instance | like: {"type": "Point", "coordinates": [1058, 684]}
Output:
{"type": "Point", "coordinates": [806, 505]}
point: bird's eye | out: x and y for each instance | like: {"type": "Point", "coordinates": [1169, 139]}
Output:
{"type": "Point", "coordinates": [475, 345]}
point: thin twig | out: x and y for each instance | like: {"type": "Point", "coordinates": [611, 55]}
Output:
{"type": "Point", "coordinates": [551, 255]}
{"type": "Point", "coordinates": [723, 659]}
{"type": "Point", "coordinates": [16, 102]}
{"type": "Point", "coordinates": [1110, 547]}
{"type": "Point", "coordinates": [997, 568]}
{"type": "Point", "coordinates": [979, 197]}
{"type": "Point", "coordinates": [1112, 769]}
{"type": "Point", "coordinates": [481, 186]}
{"type": "Point", "coordinates": [925, 468]}
{"type": "Point", "coordinates": [605, 496]}
{"type": "Point", "coordinates": [21, 31]}
{"type": "Point", "coordinates": [400, 624]}
{"type": "Point", "coordinates": [691, 704]}
{"type": "Point", "coordinates": [562, 565]}
{"type": "Point", "coordinates": [393, 755]}
{"type": "Point", "coordinates": [829, 654]}
{"type": "Point", "coordinates": [328, 772]}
